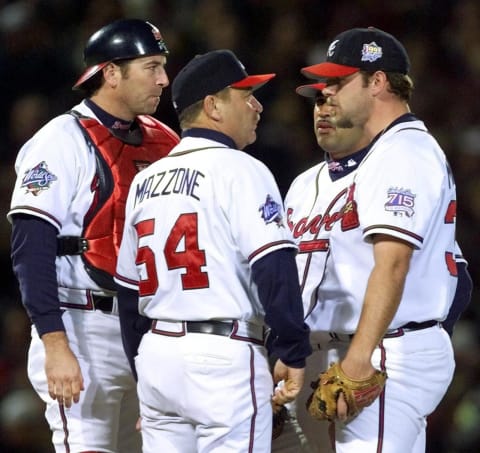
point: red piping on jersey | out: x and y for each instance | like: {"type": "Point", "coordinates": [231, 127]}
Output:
{"type": "Point", "coordinates": [399, 230]}
{"type": "Point", "coordinates": [117, 164]}
{"type": "Point", "coordinates": [267, 246]}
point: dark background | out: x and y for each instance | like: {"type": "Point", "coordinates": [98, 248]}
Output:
{"type": "Point", "coordinates": [41, 44]}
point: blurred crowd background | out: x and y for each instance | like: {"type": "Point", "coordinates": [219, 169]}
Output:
{"type": "Point", "coordinates": [41, 44]}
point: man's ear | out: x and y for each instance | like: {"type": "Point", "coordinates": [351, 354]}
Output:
{"type": "Point", "coordinates": [210, 105]}
{"type": "Point", "coordinates": [378, 82]}
{"type": "Point", "coordinates": [111, 74]}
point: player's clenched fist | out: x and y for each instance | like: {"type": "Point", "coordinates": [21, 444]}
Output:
{"type": "Point", "coordinates": [292, 383]}
{"type": "Point", "coordinates": [65, 380]}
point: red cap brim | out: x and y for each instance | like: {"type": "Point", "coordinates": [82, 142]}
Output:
{"type": "Point", "coordinates": [310, 91]}
{"type": "Point", "coordinates": [328, 70]}
{"type": "Point", "coordinates": [253, 81]}
{"type": "Point", "coordinates": [89, 72]}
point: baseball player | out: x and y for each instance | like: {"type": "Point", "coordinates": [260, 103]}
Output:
{"type": "Point", "coordinates": [206, 256]}
{"type": "Point", "coordinates": [309, 435]}
{"type": "Point", "coordinates": [375, 225]}
{"type": "Point", "coordinates": [67, 213]}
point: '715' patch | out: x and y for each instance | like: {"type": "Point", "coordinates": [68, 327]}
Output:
{"type": "Point", "coordinates": [400, 201]}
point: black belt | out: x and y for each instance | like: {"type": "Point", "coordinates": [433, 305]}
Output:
{"type": "Point", "coordinates": [212, 327]}
{"type": "Point", "coordinates": [400, 331]}
{"type": "Point", "coordinates": [102, 303]}
{"type": "Point", "coordinates": [419, 325]}
{"type": "Point", "coordinates": [236, 330]}
{"type": "Point", "coordinates": [410, 326]}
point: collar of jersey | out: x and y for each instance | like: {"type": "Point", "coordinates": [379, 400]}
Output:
{"type": "Point", "coordinates": [108, 120]}
{"type": "Point", "coordinates": [350, 163]}
{"type": "Point", "coordinates": [209, 134]}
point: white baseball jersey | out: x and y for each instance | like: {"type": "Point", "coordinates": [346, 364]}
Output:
{"type": "Point", "coordinates": [62, 193]}
{"type": "Point", "coordinates": [402, 188]}
{"type": "Point", "coordinates": [56, 172]}
{"type": "Point", "coordinates": [389, 193]}
{"type": "Point", "coordinates": [188, 243]}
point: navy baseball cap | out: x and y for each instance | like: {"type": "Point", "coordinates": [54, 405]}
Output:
{"type": "Point", "coordinates": [310, 91]}
{"type": "Point", "coordinates": [361, 49]}
{"type": "Point", "coordinates": [210, 73]}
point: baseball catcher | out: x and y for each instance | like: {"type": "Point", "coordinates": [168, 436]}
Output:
{"type": "Point", "coordinates": [322, 403]}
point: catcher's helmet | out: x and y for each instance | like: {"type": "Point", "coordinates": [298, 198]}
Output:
{"type": "Point", "coordinates": [122, 39]}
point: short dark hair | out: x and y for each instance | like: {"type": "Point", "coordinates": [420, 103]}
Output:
{"type": "Point", "coordinates": [400, 84]}
{"type": "Point", "coordinates": [94, 83]}
{"type": "Point", "coordinates": [189, 114]}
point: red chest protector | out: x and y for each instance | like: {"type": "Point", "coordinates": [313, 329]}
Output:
{"type": "Point", "coordinates": [118, 161]}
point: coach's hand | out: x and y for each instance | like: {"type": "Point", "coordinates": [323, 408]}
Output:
{"type": "Point", "coordinates": [64, 377]}
{"type": "Point", "coordinates": [293, 381]}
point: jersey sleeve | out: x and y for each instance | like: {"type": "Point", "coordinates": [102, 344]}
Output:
{"type": "Point", "coordinates": [404, 187]}
{"type": "Point", "coordinates": [257, 213]}
{"type": "Point", "coordinates": [276, 277]}
{"type": "Point", "coordinates": [48, 169]}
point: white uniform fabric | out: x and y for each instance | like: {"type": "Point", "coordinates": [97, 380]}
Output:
{"type": "Point", "coordinates": [206, 191]}
{"type": "Point", "coordinates": [59, 169]}
{"type": "Point", "coordinates": [221, 209]}
{"type": "Point", "coordinates": [403, 188]}
{"type": "Point", "coordinates": [104, 418]}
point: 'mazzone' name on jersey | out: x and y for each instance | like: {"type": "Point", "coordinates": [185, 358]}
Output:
{"type": "Point", "coordinates": [183, 181]}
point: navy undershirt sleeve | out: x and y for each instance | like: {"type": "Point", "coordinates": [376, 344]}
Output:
{"type": "Point", "coordinates": [277, 280]}
{"type": "Point", "coordinates": [463, 295]}
{"type": "Point", "coordinates": [33, 253]}
{"type": "Point", "coordinates": [133, 325]}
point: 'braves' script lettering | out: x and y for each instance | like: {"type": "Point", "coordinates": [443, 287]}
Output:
{"type": "Point", "coordinates": [347, 216]}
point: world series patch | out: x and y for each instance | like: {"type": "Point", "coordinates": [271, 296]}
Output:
{"type": "Point", "coordinates": [37, 179]}
{"type": "Point", "coordinates": [271, 211]}
{"type": "Point", "coordinates": [371, 52]}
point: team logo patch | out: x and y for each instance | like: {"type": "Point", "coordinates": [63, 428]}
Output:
{"type": "Point", "coordinates": [120, 125]}
{"type": "Point", "coordinates": [371, 52]}
{"type": "Point", "coordinates": [335, 166]}
{"type": "Point", "coordinates": [38, 178]}
{"type": "Point", "coordinates": [400, 201]}
{"type": "Point", "coordinates": [271, 211]}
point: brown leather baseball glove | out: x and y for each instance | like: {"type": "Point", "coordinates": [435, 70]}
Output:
{"type": "Point", "coordinates": [280, 416]}
{"type": "Point", "coordinates": [322, 403]}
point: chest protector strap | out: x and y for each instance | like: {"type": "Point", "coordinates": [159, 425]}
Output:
{"type": "Point", "coordinates": [117, 161]}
